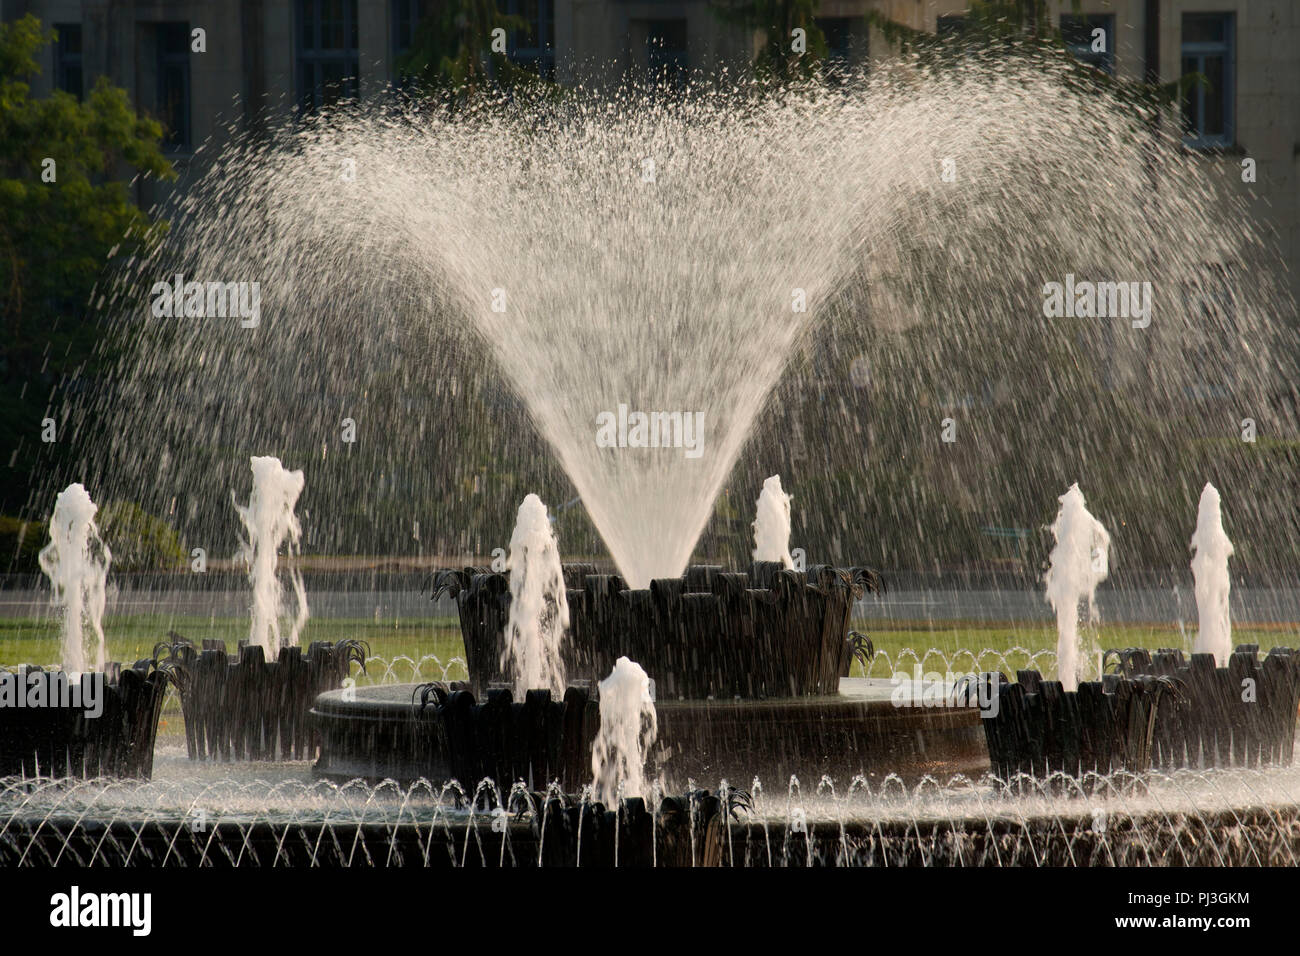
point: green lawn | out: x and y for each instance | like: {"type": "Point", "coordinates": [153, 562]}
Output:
{"type": "Point", "coordinates": [132, 637]}
{"type": "Point", "coordinates": [1003, 646]}
{"type": "Point", "coordinates": [963, 646]}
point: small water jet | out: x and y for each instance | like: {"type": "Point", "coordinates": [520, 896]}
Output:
{"type": "Point", "coordinates": [628, 727]}
{"type": "Point", "coordinates": [94, 717]}
{"type": "Point", "coordinates": [772, 524]}
{"type": "Point", "coordinates": [270, 522]}
{"type": "Point", "coordinates": [76, 561]}
{"type": "Point", "coordinates": [1213, 583]}
{"type": "Point", "coordinates": [1079, 562]}
{"type": "Point", "coordinates": [539, 609]}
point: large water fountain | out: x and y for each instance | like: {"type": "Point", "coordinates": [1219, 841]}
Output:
{"type": "Point", "coordinates": [625, 283]}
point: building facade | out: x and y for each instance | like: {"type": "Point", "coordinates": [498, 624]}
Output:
{"type": "Point", "coordinates": [262, 57]}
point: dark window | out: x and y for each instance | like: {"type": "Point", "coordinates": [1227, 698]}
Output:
{"type": "Point", "coordinates": [327, 51]}
{"type": "Point", "coordinates": [67, 59]}
{"type": "Point", "coordinates": [841, 41]}
{"type": "Point", "coordinates": [666, 57]}
{"type": "Point", "coordinates": [1081, 39]}
{"type": "Point", "coordinates": [534, 46]}
{"type": "Point", "coordinates": [173, 46]}
{"type": "Point", "coordinates": [950, 26]}
{"type": "Point", "coordinates": [406, 18]}
{"type": "Point", "coordinates": [1208, 116]}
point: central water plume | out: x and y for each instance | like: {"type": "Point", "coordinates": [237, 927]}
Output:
{"type": "Point", "coordinates": [76, 561]}
{"type": "Point", "coordinates": [1213, 583]}
{"type": "Point", "coordinates": [539, 605]}
{"type": "Point", "coordinates": [772, 524]}
{"type": "Point", "coordinates": [1079, 562]}
{"type": "Point", "coordinates": [628, 727]}
{"type": "Point", "coordinates": [659, 263]}
{"type": "Point", "coordinates": [270, 522]}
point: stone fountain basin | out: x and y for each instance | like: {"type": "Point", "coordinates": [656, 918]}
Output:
{"type": "Point", "coordinates": [376, 733]}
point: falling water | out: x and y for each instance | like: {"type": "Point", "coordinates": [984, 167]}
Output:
{"type": "Point", "coordinates": [670, 257]}
{"type": "Point", "coordinates": [772, 524]}
{"type": "Point", "coordinates": [1210, 570]}
{"type": "Point", "coordinates": [628, 726]}
{"type": "Point", "coordinates": [270, 522]}
{"type": "Point", "coordinates": [1079, 562]}
{"type": "Point", "coordinates": [76, 561]}
{"type": "Point", "coordinates": [539, 604]}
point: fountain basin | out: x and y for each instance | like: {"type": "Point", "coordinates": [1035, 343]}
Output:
{"type": "Point", "coordinates": [771, 632]}
{"type": "Point", "coordinates": [64, 739]}
{"type": "Point", "coordinates": [251, 708]}
{"type": "Point", "coordinates": [385, 732]}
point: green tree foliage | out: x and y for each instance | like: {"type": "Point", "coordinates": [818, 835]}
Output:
{"type": "Point", "coordinates": [60, 222]}
{"type": "Point", "coordinates": [452, 52]}
{"type": "Point", "coordinates": [777, 20]}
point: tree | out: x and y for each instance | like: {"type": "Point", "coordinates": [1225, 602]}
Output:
{"type": "Point", "coordinates": [779, 58]}
{"type": "Point", "coordinates": [63, 215]}
{"type": "Point", "coordinates": [456, 52]}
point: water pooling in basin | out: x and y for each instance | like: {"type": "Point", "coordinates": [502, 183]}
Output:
{"type": "Point", "coordinates": [223, 815]}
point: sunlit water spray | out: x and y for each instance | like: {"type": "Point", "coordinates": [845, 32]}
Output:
{"type": "Point", "coordinates": [635, 257]}
{"type": "Point", "coordinates": [628, 727]}
{"type": "Point", "coordinates": [772, 524]}
{"type": "Point", "coordinates": [539, 605]}
{"type": "Point", "coordinates": [1213, 583]}
{"type": "Point", "coordinates": [1079, 562]}
{"type": "Point", "coordinates": [76, 561]}
{"type": "Point", "coordinates": [270, 523]}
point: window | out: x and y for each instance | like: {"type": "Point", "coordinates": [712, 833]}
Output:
{"type": "Point", "coordinates": [666, 53]}
{"type": "Point", "coordinates": [406, 17]}
{"type": "Point", "coordinates": [1208, 50]}
{"type": "Point", "coordinates": [534, 46]}
{"type": "Point", "coordinates": [173, 72]}
{"type": "Point", "coordinates": [842, 41]}
{"type": "Point", "coordinates": [1079, 31]}
{"type": "Point", "coordinates": [327, 51]}
{"type": "Point", "coordinates": [953, 26]}
{"type": "Point", "coordinates": [67, 59]}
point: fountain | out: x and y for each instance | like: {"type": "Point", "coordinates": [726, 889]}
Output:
{"type": "Point", "coordinates": [1080, 561]}
{"type": "Point", "coordinates": [92, 717]}
{"type": "Point", "coordinates": [751, 673]}
{"type": "Point", "coordinates": [521, 271]}
{"type": "Point", "coordinates": [1210, 570]}
{"type": "Point", "coordinates": [256, 706]}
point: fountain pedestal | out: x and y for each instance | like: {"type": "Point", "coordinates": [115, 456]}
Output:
{"type": "Point", "coordinates": [388, 732]}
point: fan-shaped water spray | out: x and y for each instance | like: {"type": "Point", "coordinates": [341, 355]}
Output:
{"type": "Point", "coordinates": [660, 262]}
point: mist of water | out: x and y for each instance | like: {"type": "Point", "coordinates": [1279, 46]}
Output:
{"type": "Point", "coordinates": [628, 727]}
{"type": "Point", "coordinates": [772, 524]}
{"type": "Point", "coordinates": [270, 523]}
{"type": "Point", "coordinates": [539, 605]}
{"type": "Point", "coordinates": [595, 253]}
{"type": "Point", "coordinates": [76, 561]}
{"type": "Point", "coordinates": [1213, 583]}
{"type": "Point", "coordinates": [1079, 562]}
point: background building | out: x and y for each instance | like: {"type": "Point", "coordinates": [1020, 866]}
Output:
{"type": "Point", "coordinates": [262, 57]}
